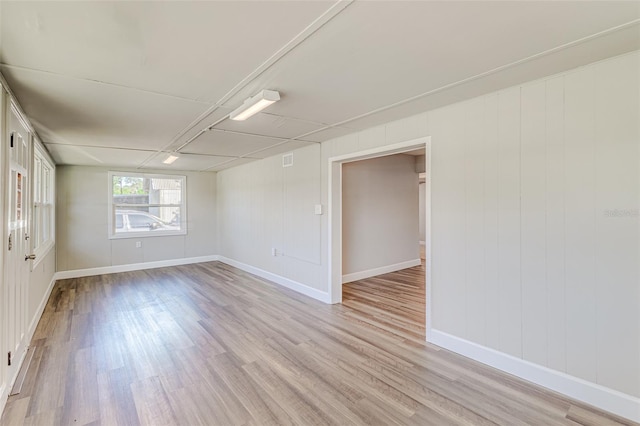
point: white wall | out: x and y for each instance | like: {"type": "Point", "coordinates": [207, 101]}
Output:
{"type": "Point", "coordinates": [422, 213]}
{"type": "Point", "coordinates": [264, 206]}
{"type": "Point", "coordinates": [527, 260]}
{"type": "Point", "coordinates": [82, 222]}
{"type": "Point", "coordinates": [379, 215]}
{"type": "Point", "coordinates": [535, 227]}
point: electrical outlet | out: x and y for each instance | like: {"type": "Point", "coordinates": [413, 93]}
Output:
{"type": "Point", "coordinates": [274, 251]}
{"type": "Point", "coordinates": [138, 244]}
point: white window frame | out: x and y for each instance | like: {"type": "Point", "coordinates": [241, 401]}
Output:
{"type": "Point", "coordinates": [43, 190]}
{"type": "Point", "coordinates": [145, 234]}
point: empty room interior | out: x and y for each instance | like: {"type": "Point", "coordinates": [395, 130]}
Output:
{"type": "Point", "coordinates": [320, 212]}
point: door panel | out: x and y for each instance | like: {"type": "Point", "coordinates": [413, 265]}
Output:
{"type": "Point", "coordinates": [16, 267]}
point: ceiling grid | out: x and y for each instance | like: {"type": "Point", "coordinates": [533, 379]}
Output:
{"type": "Point", "coordinates": [126, 83]}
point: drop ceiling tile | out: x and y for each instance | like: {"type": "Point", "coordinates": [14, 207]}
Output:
{"type": "Point", "coordinates": [376, 54]}
{"type": "Point", "coordinates": [196, 126]}
{"type": "Point", "coordinates": [94, 156]}
{"type": "Point", "coordinates": [280, 148]}
{"type": "Point", "coordinates": [377, 61]}
{"type": "Point", "coordinates": [330, 133]}
{"type": "Point", "coordinates": [233, 163]}
{"type": "Point", "coordinates": [617, 43]}
{"type": "Point", "coordinates": [271, 125]}
{"type": "Point", "coordinates": [70, 111]}
{"type": "Point", "coordinates": [223, 143]}
{"type": "Point", "coordinates": [191, 162]}
{"type": "Point", "coordinates": [186, 49]}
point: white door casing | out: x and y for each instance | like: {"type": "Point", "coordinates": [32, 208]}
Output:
{"type": "Point", "coordinates": [335, 214]}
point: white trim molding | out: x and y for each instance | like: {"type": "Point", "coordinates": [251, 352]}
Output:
{"type": "Point", "coordinates": [77, 273]}
{"type": "Point", "coordinates": [593, 394]}
{"type": "Point", "coordinates": [334, 210]}
{"type": "Point", "coordinates": [278, 279]}
{"type": "Point", "coordinates": [355, 276]}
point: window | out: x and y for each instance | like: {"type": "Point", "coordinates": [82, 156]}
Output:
{"type": "Point", "coordinates": [144, 205]}
{"type": "Point", "coordinates": [43, 231]}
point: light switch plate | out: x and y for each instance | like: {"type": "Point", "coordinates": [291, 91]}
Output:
{"type": "Point", "coordinates": [318, 209]}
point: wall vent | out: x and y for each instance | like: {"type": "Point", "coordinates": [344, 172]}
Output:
{"type": "Point", "coordinates": [287, 160]}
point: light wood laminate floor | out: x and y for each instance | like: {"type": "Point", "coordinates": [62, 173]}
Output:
{"type": "Point", "coordinates": [210, 344]}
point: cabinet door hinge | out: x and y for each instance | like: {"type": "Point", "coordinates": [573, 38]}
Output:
{"type": "Point", "coordinates": [10, 242]}
{"type": "Point", "coordinates": [9, 358]}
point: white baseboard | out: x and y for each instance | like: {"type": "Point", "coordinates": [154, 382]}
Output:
{"type": "Point", "coordinates": [355, 276]}
{"type": "Point", "coordinates": [285, 282]}
{"type": "Point", "coordinates": [77, 273]}
{"type": "Point", "coordinates": [593, 394]}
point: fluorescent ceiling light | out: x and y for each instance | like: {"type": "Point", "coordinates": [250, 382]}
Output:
{"type": "Point", "coordinates": [254, 105]}
{"type": "Point", "coordinates": [170, 159]}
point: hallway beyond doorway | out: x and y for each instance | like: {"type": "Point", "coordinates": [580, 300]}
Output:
{"type": "Point", "coordinates": [392, 303]}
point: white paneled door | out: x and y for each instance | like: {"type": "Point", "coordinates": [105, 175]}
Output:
{"type": "Point", "coordinates": [17, 247]}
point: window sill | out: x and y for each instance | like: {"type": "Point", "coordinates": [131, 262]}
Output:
{"type": "Point", "coordinates": [41, 253]}
{"type": "Point", "coordinates": [146, 234]}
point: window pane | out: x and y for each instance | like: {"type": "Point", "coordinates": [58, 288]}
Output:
{"type": "Point", "coordinates": [165, 191]}
{"type": "Point", "coordinates": [37, 179]}
{"type": "Point", "coordinates": [119, 223]}
{"type": "Point", "coordinates": [168, 215]}
{"type": "Point", "coordinates": [141, 221]}
{"type": "Point", "coordinates": [36, 226]}
{"type": "Point", "coordinates": [146, 203]}
{"type": "Point", "coordinates": [130, 190]}
{"type": "Point", "coordinates": [45, 218]}
{"type": "Point", "coordinates": [42, 233]}
{"type": "Point", "coordinates": [46, 194]}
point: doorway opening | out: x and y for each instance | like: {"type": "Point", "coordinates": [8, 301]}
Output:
{"type": "Point", "coordinates": [406, 273]}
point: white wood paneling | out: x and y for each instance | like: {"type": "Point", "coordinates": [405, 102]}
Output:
{"type": "Point", "coordinates": [406, 129]}
{"type": "Point", "coordinates": [82, 230]}
{"type": "Point", "coordinates": [124, 251]}
{"type": "Point", "coordinates": [617, 288]}
{"type": "Point", "coordinates": [301, 193]}
{"type": "Point", "coordinates": [474, 206]}
{"type": "Point", "coordinates": [509, 222]}
{"type": "Point", "coordinates": [448, 215]}
{"type": "Point", "coordinates": [202, 214]}
{"type": "Point", "coordinates": [264, 206]}
{"type": "Point", "coordinates": [157, 249]}
{"type": "Point", "coordinates": [580, 223]}
{"type": "Point", "coordinates": [526, 260]}
{"type": "Point", "coordinates": [371, 138]}
{"type": "Point", "coordinates": [555, 224]}
{"type": "Point", "coordinates": [533, 226]}
{"type": "Point", "coordinates": [490, 223]}
{"type": "Point", "coordinates": [560, 197]}
{"type": "Point", "coordinates": [344, 145]}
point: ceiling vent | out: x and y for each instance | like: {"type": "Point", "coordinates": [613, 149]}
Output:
{"type": "Point", "coordinates": [287, 160]}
